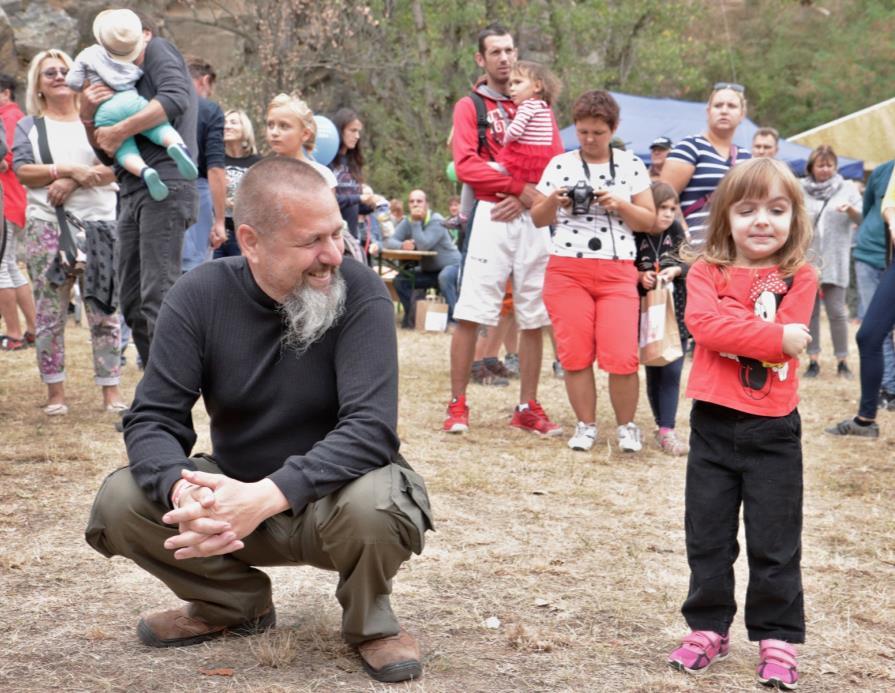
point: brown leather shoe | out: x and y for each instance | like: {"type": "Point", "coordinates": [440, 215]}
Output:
{"type": "Point", "coordinates": [392, 659]}
{"type": "Point", "coordinates": [176, 628]}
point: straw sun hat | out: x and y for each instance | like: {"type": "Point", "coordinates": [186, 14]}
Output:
{"type": "Point", "coordinates": [120, 32]}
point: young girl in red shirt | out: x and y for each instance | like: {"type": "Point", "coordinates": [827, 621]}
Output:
{"type": "Point", "coordinates": [530, 139]}
{"type": "Point", "coordinates": [750, 294]}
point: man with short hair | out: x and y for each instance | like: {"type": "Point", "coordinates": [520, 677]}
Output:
{"type": "Point", "coordinates": [150, 233]}
{"type": "Point", "coordinates": [765, 143]}
{"type": "Point", "coordinates": [424, 230]}
{"type": "Point", "coordinates": [658, 153]}
{"type": "Point", "coordinates": [502, 242]}
{"type": "Point", "coordinates": [209, 230]}
{"type": "Point", "coordinates": [305, 468]}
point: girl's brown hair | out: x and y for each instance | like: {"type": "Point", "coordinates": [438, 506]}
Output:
{"type": "Point", "coordinates": [551, 85]}
{"type": "Point", "coordinates": [753, 180]}
{"type": "Point", "coordinates": [662, 192]}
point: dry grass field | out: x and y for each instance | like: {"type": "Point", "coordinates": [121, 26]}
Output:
{"type": "Point", "coordinates": [579, 556]}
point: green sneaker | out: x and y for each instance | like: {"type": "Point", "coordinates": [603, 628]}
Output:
{"type": "Point", "coordinates": [184, 161]}
{"type": "Point", "coordinates": [158, 191]}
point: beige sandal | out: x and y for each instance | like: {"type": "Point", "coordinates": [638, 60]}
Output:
{"type": "Point", "coordinates": [56, 410]}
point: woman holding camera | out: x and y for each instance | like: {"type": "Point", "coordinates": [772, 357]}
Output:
{"type": "Point", "coordinates": [696, 165]}
{"type": "Point", "coordinates": [595, 197]}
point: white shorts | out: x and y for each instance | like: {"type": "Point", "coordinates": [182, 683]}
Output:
{"type": "Point", "coordinates": [10, 275]}
{"type": "Point", "coordinates": [497, 250]}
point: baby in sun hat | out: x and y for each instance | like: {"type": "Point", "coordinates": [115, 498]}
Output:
{"type": "Point", "coordinates": [111, 60]}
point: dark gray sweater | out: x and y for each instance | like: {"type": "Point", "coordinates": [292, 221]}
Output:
{"type": "Point", "coordinates": [166, 79]}
{"type": "Point", "coordinates": [310, 423]}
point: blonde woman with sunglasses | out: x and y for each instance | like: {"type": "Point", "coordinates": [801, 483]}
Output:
{"type": "Point", "coordinates": [75, 180]}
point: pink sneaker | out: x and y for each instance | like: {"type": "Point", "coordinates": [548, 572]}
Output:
{"type": "Point", "coordinates": [698, 650]}
{"type": "Point", "coordinates": [778, 666]}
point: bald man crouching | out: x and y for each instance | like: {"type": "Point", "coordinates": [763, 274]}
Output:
{"type": "Point", "coordinates": [294, 354]}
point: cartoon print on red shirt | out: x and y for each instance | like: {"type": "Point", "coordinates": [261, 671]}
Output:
{"type": "Point", "coordinates": [766, 295]}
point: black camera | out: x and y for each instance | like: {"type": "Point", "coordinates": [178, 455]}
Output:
{"type": "Point", "coordinates": [582, 196]}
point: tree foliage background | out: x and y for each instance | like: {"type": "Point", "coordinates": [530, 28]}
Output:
{"type": "Point", "coordinates": [403, 63]}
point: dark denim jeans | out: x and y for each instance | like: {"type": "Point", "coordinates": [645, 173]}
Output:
{"type": "Point", "coordinates": [150, 243]}
{"type": "Point", "coordinates": [737, 458]}
{"type": "Point", "coordinates": [875, 328]}
{"type": "Point", "coordinates": [663, 387]}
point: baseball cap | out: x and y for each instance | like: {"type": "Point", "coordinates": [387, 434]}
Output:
{"type": "Point", "coordinates": [661, 143]}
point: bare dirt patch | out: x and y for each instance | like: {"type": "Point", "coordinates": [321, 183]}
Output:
{"type": "Point", "coordinates": [550, 571]}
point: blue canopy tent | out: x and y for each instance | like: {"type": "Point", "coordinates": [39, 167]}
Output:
{"type": "Point", "coordinates": [645, 118]}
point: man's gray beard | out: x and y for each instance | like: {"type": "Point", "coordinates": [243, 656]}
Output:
{"type": "Point", "coordinates": [309, 313]}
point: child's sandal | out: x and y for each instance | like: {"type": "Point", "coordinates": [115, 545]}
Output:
{"type": "Point", "coordinates": [8, 343]}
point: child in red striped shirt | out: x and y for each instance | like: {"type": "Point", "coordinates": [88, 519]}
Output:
{"type": "Point", "coordinates": [528, 140]}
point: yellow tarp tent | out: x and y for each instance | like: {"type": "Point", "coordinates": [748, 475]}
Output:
{"type": "Point", "coordinates": [868, 134]}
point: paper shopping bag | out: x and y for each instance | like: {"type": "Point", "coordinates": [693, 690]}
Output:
{"type": "Point", "coordinates": [660, 338]}
{"type": "Point", "coordinates": [431, 315]}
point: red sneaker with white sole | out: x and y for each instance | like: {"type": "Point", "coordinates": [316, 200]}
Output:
{"type": "Point", "coordinates": [457, 420]}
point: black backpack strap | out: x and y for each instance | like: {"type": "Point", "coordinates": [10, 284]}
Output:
{"type": "Point", "coordinates": [481, 124]}
{"type": "Point", "coordinates": [67, 242]}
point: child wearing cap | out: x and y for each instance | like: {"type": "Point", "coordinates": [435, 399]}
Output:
{"type": "Point", "coordinates": [120, 41]}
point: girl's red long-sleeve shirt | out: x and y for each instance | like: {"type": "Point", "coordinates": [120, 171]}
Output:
{"type": "Point", "coordinates": [736, 316]}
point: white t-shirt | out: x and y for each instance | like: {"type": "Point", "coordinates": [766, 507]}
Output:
{"type": "Point", "coordinates": [324, 171]}
{"type": "Point", "coordinates": [68, 144]}
{"type": "Point", "coordinates": [597, 234]}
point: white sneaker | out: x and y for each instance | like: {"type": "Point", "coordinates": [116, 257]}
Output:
{"type": "Point", "coordinates": [629, 438]}
{"type": "Point", "coordinates": [585, 435]}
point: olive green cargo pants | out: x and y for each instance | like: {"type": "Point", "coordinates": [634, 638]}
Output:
{"type": "Point", "coordinates": [365, 531]}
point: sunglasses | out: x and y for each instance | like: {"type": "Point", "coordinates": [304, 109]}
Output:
{"type": "Point", "coordinates": [51, 72]}
{"type": "Point", "coordinates": [733, 86]}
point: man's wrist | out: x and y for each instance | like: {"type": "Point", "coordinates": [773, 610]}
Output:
{"type": "Point", "coordinates": [274, 501]}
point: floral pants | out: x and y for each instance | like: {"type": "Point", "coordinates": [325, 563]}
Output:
{"type": "Point", "coordinates": [51, 303]}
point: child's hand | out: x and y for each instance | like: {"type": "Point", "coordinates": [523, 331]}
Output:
{"type": "Point", "coordinates": [670, 273]}
{"type": "Point", "coordinates": [648, 279]}
{"type": "Point", "coordinates": [796, 338]}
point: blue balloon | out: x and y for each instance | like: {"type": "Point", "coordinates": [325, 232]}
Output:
{"type": "Point", "coordinates": [327, 144]}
